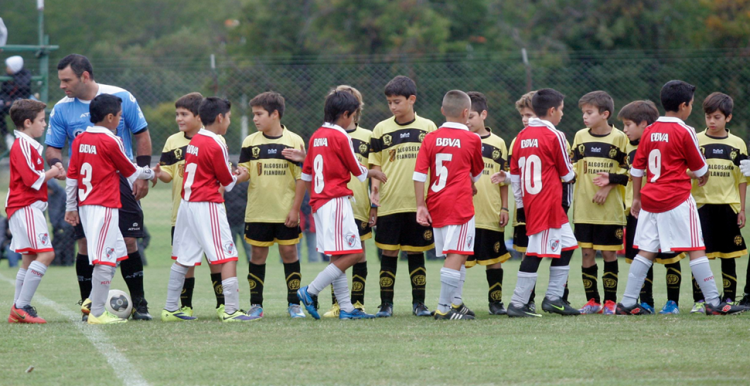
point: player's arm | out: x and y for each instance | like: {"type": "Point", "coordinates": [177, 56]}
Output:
{"type": "Point", "coordinates": [131, 172]}
{"type": "Point", "coordinates": [223, 169]}
{"type": "Point", "coordinates": [25, 167]}
{"type": "Point", "coordinates": [374, 159]}
{"type": "Point", "coordinates": [562, 158]}
{"type": "Point", "coordinates": [515, 177]}
{"type": "Point", "coordinates": [421, 169]}
{"type": "Point", "coordinates": [637, 171]}
{"type": "Point", "coordinates": [504, 213]}
{"type": "Point", "coordinates": [71, 190]}
{"type": "Point", "coordinates": [741, 215]}
{"type": "Point", "coordinates": [55, 140]}
{"type": "Point", "coordinates": [246, 154]}
{"type": "Point", "coordinates": [168, 163]}
{"type": "Point", "coordinates": [352, 163]}
{"type": "Point", "coordinates": [695, 160]}
{"type": "Point", "coordinates": [292, 218]}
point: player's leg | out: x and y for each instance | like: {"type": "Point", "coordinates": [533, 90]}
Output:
{"type": "Point", "coordinates": [559, 269]}
{"type": "Point", "coordinates": [527, 275]}
{"type": "Point", "coordinates": [186, 296]}
{"type": "Point", "coordinates": [609, 281]}
{"type": "Point", "coordinates": [584, 233]}
{"type": "Point", "coordinates": [416, 239]}
{"type": "Point", "coordinates": [131, 227]}
{"type": "Point", "coordinates": [646, 295]}
{"type": "Point", "coordinates": [731, 246]}
{"type": "Point", "coordinates": [261, 238]}
{"type": "Point", "coordinates": [288, 239]}
{"type": "Point", "coordinates": [84, 270]}
{"type": "Point", "coordinates": [387, 238]}
{"type": "Point", "coordinates": [647, 240]}
{"type": "Point", "coordinates": [187, 252]}
{"type": "Point", "coordinates": [359, 270]}
{"type": "Point", "coordinates": [673, 278]}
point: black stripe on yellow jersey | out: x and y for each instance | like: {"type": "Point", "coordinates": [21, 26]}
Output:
{"type": "Point", "coordinates": [723, 156]}
{"type": "Point", "coordinates": [487, 201]}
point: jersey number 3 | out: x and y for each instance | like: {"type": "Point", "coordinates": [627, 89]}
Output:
{"type": "Point", "coordinates": [86, 173]}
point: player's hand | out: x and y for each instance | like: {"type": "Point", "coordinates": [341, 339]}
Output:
{"type": "Point", "coordinates": [474, 190]}
{"type": "Point", "coordinates": [423, 216]}
{"type": "Point", "coordinates": [741, 219]}
{"type": "Point", "coordinates": [378, 175]}
{"type": "Point", "coordinates": [140, 189]}
{"type": "Point", "coordinates": [294, 155]}
{"type": "Point", "coordinates": [499, 177]}
{"type": "Point", "coordinates": [292, 219]}
{"type": "Point", "coordinates": [635, 208]}
{"type": "Point", "coordinates": [373, 217]}
{"type": "Point", "coordinates": [703, 179]}
{"type": "Point", "coordinates": [601, 196]}
{"type": "Point", "coordinates": [157, 173]}
{"type": "Point", "coordinates": [691, 174]}
{"type": "Point", "coordinates": [602, 179]}
{"type": "Point", "coordinates": [72, 218]}
{"type": "Point", "coordinates": [375, 196]}
{"type": "Point", "coordinates": [242, 174]}
{"type": "Point", "coordinates": [745, 167]}
{"type": "Point", "coordinates": [62, 175]}
{"type": "Point", "coordinates": [504, 217]}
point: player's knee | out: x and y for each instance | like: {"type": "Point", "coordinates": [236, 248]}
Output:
{"type": "Point", "coordinates": [530, 264]}
{"type": "Point", "coordinates": [82, 247]}
{"type": "Point", "coordinates": [131, 244]}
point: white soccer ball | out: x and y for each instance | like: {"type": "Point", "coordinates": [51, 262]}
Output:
{"type": "Point", "coordinates": [119, 303]}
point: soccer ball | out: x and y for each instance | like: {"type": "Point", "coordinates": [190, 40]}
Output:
{"type": "Point", "coordinates": [118, 303]}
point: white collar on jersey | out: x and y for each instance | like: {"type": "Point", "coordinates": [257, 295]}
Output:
{"type": "Point", "coordinates": [541, 122]}
{"type": "Point", "coordinates": [671, 119]}
{"type": "Point", "coordinates": [208, 133]}
{"type": "Point", "coordinates": [100, 130]}
{"type": "Point", "coordinates": [455, 125]}
{"type": "Point", "coordinates": [334, 126]}
{"type": "Point", "coordinates": [38, 146]}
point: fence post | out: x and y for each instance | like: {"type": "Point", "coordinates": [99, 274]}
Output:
{"type": "Point", "coordinates": [525, 58]}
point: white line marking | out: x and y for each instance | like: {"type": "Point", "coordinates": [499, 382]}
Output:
{"type": "Point", "coordinates": [121, 366]}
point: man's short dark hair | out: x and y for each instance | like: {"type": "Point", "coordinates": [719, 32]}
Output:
{"type": "Point", "coordinates": [211, 107]}
{"type": "Point", "coordinates": [676, 92]}
{"type": "Point", "coordinates": [478, 101]}
{"type": "Point", "coordinates": [103, 105]}
{"type": "Point", "coordinates": [599, 99]}
{"type": "Point", "coordinates": [23, 109]}
{"type": "Point", "coordinates": [338, 103]}
{"type": "Point", "coordinates": [401, 86]}
{"type": "Point", "coordinates": [718, 101]}
{"type": "Point", "coordinates": [78, 63]}
{"type": "Point", "coordinates": [639, 111]}
{"type": "Point", "coordinates": [190, 102]}
{"type": "Point", "coordinates": [270, 101]}
{"type": "Point", "coordinates": [545, 99]}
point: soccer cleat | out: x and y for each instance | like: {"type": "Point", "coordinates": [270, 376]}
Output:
{"type": "Point", "coordinates": [532, 306]}
{"type": "Point", "coordinates": [359, 306]}
{"type": "Point", "coordinates": [670, 308]}
{"type": "Point", "coordinates": [308, 301]}
{"type": "Point", "coordinates": [25, 314]}
{"type": "Point", "coordinates": [521, 312]}
{"type": "Point", "coordinates": [453, 314]}
{"type": "Point", "coordinates": [636, 309]}
{"type": "Point", "coordinates": [295, 311]}
{"type": "Point", "coordinates": [648, 308]}
{"type": "Point", "coordinates": [497, 308]}
{"type": "Point", "coordinates": [609, 307]}
{"type": "Point", "coordinates": [187, 310]}
{"type": "Point", "coordinates": [386, 311]}
{"type": "Point", "coordinates": [237, 317]}
{"type": "Point", "coordinates": [85, 306]}
{"type": "Point", "coordinates": [463, 310]}
{"type": "Point", "coordinates": [356, 314]}
{"type": "Point", "coordinates": [333, 312]}
{"type": "Point", "coordinates": [699, 307]}
{"type": "Point", "coordinates": [140, 310]}
{"type": "Point", "coordinates": [592, 307]}
{"type": "Point", "coordinates": [420, 309]}
{"type": "Point", "coordinates": [724, 308]}
{"type": "Point", "coordinates": [256, 311]}
{"type": "Point", "coordinates": [745, 301]}
{"type": "Point", "coordinates": [105, 318]}
{"type": "Point", "coordinates": [558, 306]}
{"type": "Point", "coordinates": [176, 316]}
{"type": "Point", "coordinates": [220, 311]}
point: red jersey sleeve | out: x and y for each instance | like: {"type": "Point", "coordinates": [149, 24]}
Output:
{"type": "Point", "coordinates": [477, 162]}
{"type": "Point", "coordinates": [73, 162]}
{"type": "Point", "coordinates": [693, 154]}
{"type": "Point", "coordinates": [424, 157]}
{"type": "Point", "coordinates": [513, 167]}
{"type": "Point", "coordinates": [561, 157]}
{"type": "Point", "coordinates": [220, 161]}
{"type": "Point", "coordinates": [307, 167]}
{"type": "Point", "coordinates": [121, 161]}
{"type": "Point", "coordinates": [637, 169]}
{"type": "Point", "coordinates": [21, 156]}
{"type": "Point", "coordinates": [350, 159]}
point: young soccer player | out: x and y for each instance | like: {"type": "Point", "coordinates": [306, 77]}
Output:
{"type": "Point", "coordinates": [93, 190]}
{"type": "Point", "coordinates": [491, 204]}
{"type": "Point", "coordinates": [666, 212]}
{"type": "Point", "coordinates": [452, 156]}
{"type": "Point", "coordinates": [721, 201]}
{"type": "Point", "coordinates": [328, 167]}
{"type": "Point", "coordinates": [274, 197]}
{"type": "Point", "coordinates": [539, 164]}
{"type": "Point", "coordinates": [202, 226]}
{"type": "Point", "coordinates": [394, 147]}
{"type": "Point", "coordinates": [173, 169]}
{"type": "Point", "coordinates": [597, 213]}
{"type": "Point", "coordinates": [25, 205]}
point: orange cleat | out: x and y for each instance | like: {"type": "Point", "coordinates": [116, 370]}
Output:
{"type": "Point", "coordinates": [26, 314]}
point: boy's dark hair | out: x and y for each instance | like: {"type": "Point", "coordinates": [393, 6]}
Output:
{"type": "Point", "coordinates": [639, 111]}
{"type": "Point", "coordinates": [600, 100]}
{"type": "Point", "coordinates": [337, 103]}
{"type": "Point", "coordinates": [190, 102]}
{"type": "Point", "coordinates": [718, 101]}
{"type": "Point", "coordinates": [77, 63]}
{"type": "Point", "coordinates": [478, 101]}
{"type": "Point", "coordinates": [269, 101]}
{"type": "Point", "coordinates": [545, 99]}
{"type": "Point", "coordinates": [676, 92]}
{"type": "Point", "coordinates": [23, 109]}
{"type": "Point", "coordinates": [401, 86]}
{"type": "Point", "coordinates": [211, 107]}
{"type": "Point", "coordinates": [103, 105]}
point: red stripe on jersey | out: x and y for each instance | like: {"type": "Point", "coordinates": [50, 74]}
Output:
{"type": "Point", "coordinates": [29, 226]}
{"type": "Point", "coordinates": [103, 232]}
{"type": "Point", "coordinates": [215, 232]}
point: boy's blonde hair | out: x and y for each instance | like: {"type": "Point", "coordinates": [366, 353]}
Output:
{"type": "Point", "coordinates": [358, 95]}
{"type": "Point", "coordinates": [525, 101]}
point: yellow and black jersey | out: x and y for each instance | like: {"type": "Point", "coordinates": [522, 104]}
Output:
{"type": "Point", "coordinates": [172, 162]}
{"type": "Point", "coordinates": [723, 156]}
{"type": "Point", "coordinates": [272, 177]}
{"type": "Point", "coordinates": [361, 204]}
{"type": "Point", "coordinates": [594, 154]}
{"type": "Point", "coordinates": [394, 147]}
{"type": "Point", "coordinates": [487, 202]}
{"type": "Point", "coordinates": [631, 149]}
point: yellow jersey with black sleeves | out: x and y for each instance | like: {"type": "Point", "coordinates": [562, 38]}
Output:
{"type": "Point", "coordinates": [394, 147]}
{"type": "Point", "coordinates": [631, 150]}
{"type": "Point", "coordinates": [172, 162]}
{"type": "Point", "coordinates": [272, 177]}
{"type": "Point", "coordinates": [593, 154]}
{"type": "Point", "coordinates": [487, 201]}
{"type": "Point", "coordinates": [723, 156]}
{"type": "Point", "coordinates": [361, 203]}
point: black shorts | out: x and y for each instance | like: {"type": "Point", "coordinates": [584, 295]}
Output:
{"type": "Point", "coordinates": [131, 214]}
{"type": "Point", "coordinates": [630, 252]}
{"type": "Point", "coordinates": [599, 237]}
{"type": "Point", "coordinates": [401, 231]}
{"type": "Point", "coordinates": [489, 248]}
{"type": "Point", "coordinates": [721, 234]}
{"type": "Point", "coordinates": [365, 231]}
{"type": "Point", "coordinates": [265, 234]}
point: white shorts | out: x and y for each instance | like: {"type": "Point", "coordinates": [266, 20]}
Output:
{"type": "Point", "coordinates": [104, 241]}
{"type": "Point", "coordinates": [336, 230]}
{"type": "Point", "coordinates": [552, 242]}
{"type": "Point", "coordinates": [29, 229]}
{"type": "Point", "coordinates": [677, 230]}
{"type": "Point", "coordinates": [455, 239]}
{"type": "Point", "coordinates": [202, 227]}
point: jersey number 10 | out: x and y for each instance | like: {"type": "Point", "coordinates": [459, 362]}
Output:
{"type": "Point", "coordinates": [531, 174]}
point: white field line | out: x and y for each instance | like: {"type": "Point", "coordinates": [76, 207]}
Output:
{"type": "Point", "coordinates": [121, 366]}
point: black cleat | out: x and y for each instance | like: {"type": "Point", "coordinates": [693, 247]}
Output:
{"type": "Point", "coordinates": [419, 309]}
{"type": "Point", "coordinates": [745, 300]}
{"type": "Point", "coordinates": [724, 309]}
{"type": "Point", "coordinates": [521, 312]}
{"type": "Point", "coordinates": [140, 310]}
{"type": "Point", "coordinates": [497, 308]}
{"type": "Point", "coordinates": [558, 306]}
{"type": "Point", "coordinates": [463, 310]}
{"type": "Point", "coordinates": [532, 306]}
{"type": "Point", "coordinates": [386, 311]}
{"type": "Point", "coordinates": [636, 309]}
{"type": "Point", "coordinates": [453, 314]}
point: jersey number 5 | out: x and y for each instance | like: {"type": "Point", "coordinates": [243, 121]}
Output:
{"type": "Point", "coordinates": [531, 174]}
{"type": "Point", "coordinates": [441, 171]}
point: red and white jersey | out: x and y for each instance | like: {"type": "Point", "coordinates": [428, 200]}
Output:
{"type": "Point", "coordinates": [453, 156]}
{"type": "Point", "coordinates": [27, 184]}
{"type": "Point", "coordinates": [329, 164]}
{"type": "Point", "coordinates": [206, 168]}
{"type": "Point", "coordinates": [668, 148]}
{"type": "Point", "coordinates": [539, 162]}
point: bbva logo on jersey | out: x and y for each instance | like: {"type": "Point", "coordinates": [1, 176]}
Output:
{"type": "Point", "coordinates": [448, 142]}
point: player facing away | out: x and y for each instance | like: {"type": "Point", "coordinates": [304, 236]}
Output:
{"type": "Point", "coordinates": [25, 206]}
{"type": "Point", "coordinates": [538, 165]}
{"type": "Point", "coordinates": [452, 155]}
{"type": "Point", "coordinates": [329, 165]}
{"type": "Point", "coordinates": [667, 215]}
{"type": "Point", "coordinates": [172, 165]}
{"type": "Point", "coordinates": [97, 161]}
{"type": "Point", "coordinates": [202, 226]}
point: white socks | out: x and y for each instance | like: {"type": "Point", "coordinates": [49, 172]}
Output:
{"type": "Point", "coordinates": [174, 288]}
{"type": "Point", "coordinates": [558, 276]}
{"type": "Point", "coordinates": [458, 295]}
{"type": "Point", "coordinates": [636, 276]}
{"type": "Point", "coordinates": [100, 281]}
{"type": "Point", "coordinates": [231, 295]}
{"type": "Point", "coordinates": [451, 280]}
{"type": "Point", "coordinates": [30, 283]}
{"type": "Point", "coordinates": [705, 279]}
{"type": "Point", "coordinates": [524, 286]}
{"type": "Point", "coordinates": [341, 290]}
{"type": "Point", "coordinates": [324, 279]}
{"type": "Point", "coordinates": [19, 283]}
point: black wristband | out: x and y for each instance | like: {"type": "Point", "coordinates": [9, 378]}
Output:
{"type": "Point", "coordinates": [373, 206]}
{"type": "Point", "coordinates": [54, 161]}
{"type": "Point", "coordinates": [143, 160]}
{"type": "Point", "coordinates": [619, 179]}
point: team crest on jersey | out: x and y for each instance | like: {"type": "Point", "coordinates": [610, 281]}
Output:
{"type": "Point", "coordinates": [260, 168]}
{"type": "Point", "coordinates": [178, 154]}
{"type": "Point", "coordinates": [351, 239]}
{"type": "Point", "coordinates": [554, 245]}
{"type": "Point", "coordinates": [363, 148]}
{"type": "Point", "coordinates": [738, 240]}
{"type": "Point", "coordinates": [469, 241]}
{"type": "Point", "coordinates": [181, 170]}
{"type": "Point", "coordinates": [256, 152]}
{"type": "Point", "coordinates": [497, 247]}
{"type": "Point", "coordinates": [613, 152]}
{"type": "Point", "coordinates": [78, 132]}
{"type": "Point", "coordinates": [108, 252]}
{"type": "Point", "coordinates": [703, 151]}
{"type": "Point", "coordinates": [44, 238]}
{"type": "Point", "coordinates": [363, 225]}
{"type": "Point", "coordinates": [619, 233]}
{"type": "Point", "coordinates": [229, 247]}
{"type": "Point", "coordinates": [496, 154]}
{"type": "Point", "coordinates": [428, 235]}
{"type": "Point", "coordinates": [581, 149]}
{"type": "Point", "coordinates": [733, 154]}
{"type": "Point", "coordinates": [391, 155]}
{"type": "Point", "coordinates": [387, 140]}
{"type": "Point", "coordinates": [421, 136]}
